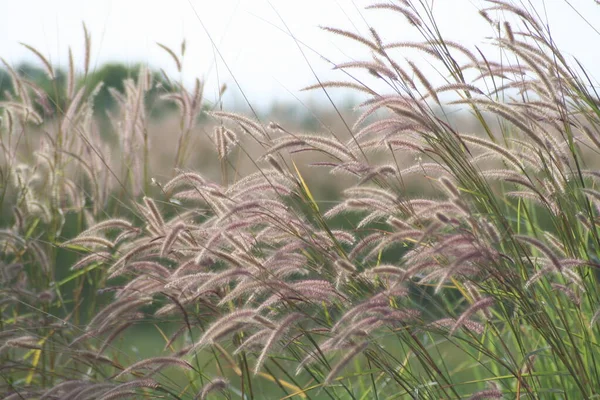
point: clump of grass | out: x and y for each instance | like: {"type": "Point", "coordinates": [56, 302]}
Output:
{"type": "Point", "coordinates": [486, 288]}
{"type": "Point", "coordinates": [60, 175]}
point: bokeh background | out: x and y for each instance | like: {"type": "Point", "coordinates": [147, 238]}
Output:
{"type": "Point", "coordinates": [265, 51]}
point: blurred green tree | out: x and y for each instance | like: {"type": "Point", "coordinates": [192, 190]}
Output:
{"type": "Point", "coordinates": [52, 92]}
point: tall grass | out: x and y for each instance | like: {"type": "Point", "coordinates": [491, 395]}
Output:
{"type": "Point", "coordinates": [483, 284]}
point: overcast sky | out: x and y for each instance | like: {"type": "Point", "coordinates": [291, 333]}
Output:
{"type": "Point", "coordinates": [250, 36]}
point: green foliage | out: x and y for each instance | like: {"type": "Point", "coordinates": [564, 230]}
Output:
{"type": "Point", "coordinates": [112, 75]}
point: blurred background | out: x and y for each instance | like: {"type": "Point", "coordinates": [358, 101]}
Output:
{"type": "Point", "coordinates": [264, 51]}
{"type": "Point", "coordinates": [252, 57]}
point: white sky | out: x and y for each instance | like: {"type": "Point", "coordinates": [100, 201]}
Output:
{"type": "Point", "coordinates": [250, 36]}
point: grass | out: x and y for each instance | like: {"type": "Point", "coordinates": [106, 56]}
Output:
{"type": "Point", "coordinates": [470, 272]}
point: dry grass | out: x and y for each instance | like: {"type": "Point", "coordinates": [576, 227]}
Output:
{"type": "Point", "coordinates": [481, 284]}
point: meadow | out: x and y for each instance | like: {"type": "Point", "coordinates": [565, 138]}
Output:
{"type": "Point", "coordinates": [392, 253]}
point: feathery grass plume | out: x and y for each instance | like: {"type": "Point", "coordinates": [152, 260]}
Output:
{"type": "Point", "coordinates": [91, 390]}
{"type": "Point", "coordinates": [119, 265]}
{"type": "Point", "coordinates": [450, 187]}
{"type": "Point", "coordinates": [408, 14]}
{"type": "Point", "coordinates": [570, 293]}
{"type": "Point", "coordinates": [172, 54]}
{"type": "Point", "coordinates": [230, 140]}
{"type": "Point", "coordinates": [265, 321]}
{"type": "Point", "coordinates": [405, 78]}
{"type": "Point", "coordinates": [88, 49]}
{"type": "Point", "coordinates": [18, 86]}
{"type": "Point", "coordinates": [458, 87]}
{"type": "Point", "coordinates": [592, 136]}
{"type": "Point", "coordinates": [44, 60]}
{"type": "Point", "coordinates": [275, 164]}
{"type": "Point", "coordinates": [126, 235]}
{"type": "Point", "coordinates": [368, 204]}
{"type": "Point", "coordinates": [509, 32]}
{"type": "Point", "coordinates": [353, 36]}
{"type": "Point", "coordinates": [255, 340]}
{"type": "Point", "coordinates": [344, 266]}
{"type": "Point", "coordinates": [160, 361]}
{"type": "Point", "coordinates": [23, 342]}
{"type": "Point", "coordinates": [117, 307]}
{"type": "Point", "coordinates": [525, 16]}
{"type": "Point", "coordinates": [74, 105]}
{"type": "Point", "coordinates": [46, 296]}
{"type": "Point", "coordinates": [374, 68]}
{"type": "Point", "coordinates": [593, 195]}
{"type": "Point", "coordinates": [219, 137]}
{"type": "Point", "coordinates": [424, 81]}
{"type": "Point", "coordinates": [487, 394]}
{"type": "Point", "coordinates": [24, 111]}
{"type": "Point", "coordinates": [556, 244]}
{"type": "Point", "coordinates": [171, 238]}
{"type": "Point", "coordinates": [451, 44]}
{"type": "Point", "coordinates": [217, 384]}
{"type": "Point", "coordinates": [507, 113]}
{"type": "Point", "coordinates": [584, 221]}
{"type": "Point", "coordinates": [91, 240]}
{"type": "Point", "coordinates": [113, 223]}
{"type": "Point", "coordinates": [423, 214]}
{"type": "Point", "coordinates": [393, 125]}
{"type": "Point", "coordinates": [535, 64]}
{"type": "Point", "coordinates": [503, 152]}
{"type": "Point", "coordinates": [223, 326]}
{"type": "Point", "coordinates": [113, 335]}
{"type": "Point", "coordinates": [385, 269]}
{"type": "Point", "coordinates": [474, 294]}
{"type": "Point", "coordinates": [254, 288]}
{"type": "Point", "coordinates": [525, 182]}
{"type": "Point", "coordinates": [349, 356]}
{"type": "Point", "coordinates": [90, 357]}
{"type": "Point", "coordinates": [528, 364]}
{"type": "Point", "coordinates": [254, 206]}
{"type": "Point", "coordinates": [20, 395]}
{"type": "Point", "coordinates": [148, 267]}
{"type": "Point", "coordinates": [451, 322]}
{"type": "Point", "coordinates": [340, 84]}
{"type": "Point", "coordinates": [464, 265]}
{"type": "Point", "coordinates": [409, 235]}
{"type": "Point", "coordinates": [373, 192]}
{"type": "Point", "coordinates": [399, 144]}
{"type": "Point", "coordinates": [276, 334]}
{"type": "Point", "coordinates": [154, 216]}
{"type": "Point", "coordinates": [537, 276]}
{"type": "Point", "coordinates": [479, 305]}
{"type": "Point", "coordinates": [423, 47]}
{"type": "Point", "coordinates": [119, 395]}
{"type": "Point", "coordinates": [250, 126]}
{"type": "Point", "coordinates": [360, 328]}
{"type": "Point", "coordinates": [276, 175]}
{"type": "Point", "coordinates": [314, 143]}
{"type": "Point", "coordinates": [71, 76]}
{"type": "Point", "coordinates": [305, 291]}
{"type": "Point", "coordinates": [398, 223]}
{"type": "Point", "coordinates": [65, 386]}
{"type": "Point", "coordinates": [124, 389]}
{"type": "Point", "coordinates": [542, 248]}
{"type": "Point", "coordinates": [378, 300]}
{"type": "Point", "coordinates": [343, 236]}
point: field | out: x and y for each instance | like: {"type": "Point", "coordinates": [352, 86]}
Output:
{"type": "Point", "coordinates": [438, 242]}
